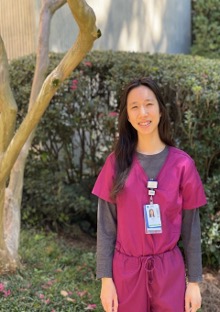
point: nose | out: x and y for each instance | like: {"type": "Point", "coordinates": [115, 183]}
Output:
{"type": "Point", "coordinates": [143, 110]}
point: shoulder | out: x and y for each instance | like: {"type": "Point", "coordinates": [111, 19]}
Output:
{"type": "Point", "coordinates": [109, 163]}
{"type": "Point", "coordinates": [110, 159]}
{"type": "Point", "coordinates": [180, 156]}
{"type": "Point", "coordinates": [104, 181]}
{"type": "Point", "coordinates": [190, 182]}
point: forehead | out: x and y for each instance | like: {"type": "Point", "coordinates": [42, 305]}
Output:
{"type": "Point", "coordinates": [140, 93]}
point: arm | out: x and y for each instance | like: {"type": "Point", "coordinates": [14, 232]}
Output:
{"type": "Point", "coordinates": [106, 237]}
{"type": "Point", "coordinates": [191, 236]}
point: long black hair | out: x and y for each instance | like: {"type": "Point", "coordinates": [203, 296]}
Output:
{"type": "Point", "coordinates": [127, 140]}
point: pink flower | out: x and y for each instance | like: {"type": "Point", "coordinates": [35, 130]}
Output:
{"type": "Point", "coordinates": [47, 301]}
{"type": "Point", "coordinates": [2, 287]}
{"type": "Point", "coordinates": [91, 307]}
{"type": "Point", "coordinates": [41, 296]}
{"type": "Point", "coordinates": [7, 293]}
{"type": "Point", "coordinates": [89, 64]}
{"type": "Point", "coordinates": [113, 114]}
{"type": "Point", "coordinates": [81, 293]}
{"type": "Point", "coordinates": [74, 85]}
{"type": "Point", "coordinates": [48, 284]}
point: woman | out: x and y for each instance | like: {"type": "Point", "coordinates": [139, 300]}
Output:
{"type": "Point", "coordinates": [139, 262]}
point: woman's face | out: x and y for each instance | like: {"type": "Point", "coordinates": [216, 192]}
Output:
{"type": "Point", "coordinates": [151, 213]}
{"type": "Point", "coordinates": [143, 110]}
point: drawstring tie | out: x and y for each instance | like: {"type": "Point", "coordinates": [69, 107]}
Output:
{"type": "Point", "coordinates": [146, 262]}
{"type": "Point", "coordinates": [149, 267]}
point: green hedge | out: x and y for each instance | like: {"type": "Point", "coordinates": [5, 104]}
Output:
{"type": "Point", "coordinates": [206, 28]}
{"type": "Point", "coordinates": [78, 130]}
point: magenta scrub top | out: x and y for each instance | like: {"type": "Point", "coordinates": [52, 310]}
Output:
{"type": "Point", "coordinates": [179, 187]}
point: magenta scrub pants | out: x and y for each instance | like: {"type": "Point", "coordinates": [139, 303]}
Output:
{"type": "Point", "coordinates": [150, 283]}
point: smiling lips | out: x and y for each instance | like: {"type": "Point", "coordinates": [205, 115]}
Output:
{"type": "Point", "coordinates": [144, 124]}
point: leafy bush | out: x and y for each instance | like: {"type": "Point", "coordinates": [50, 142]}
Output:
{"type": "Point", "coordinates": [78, 130]}
{"type": "Point", "coordinates": [206, 28]}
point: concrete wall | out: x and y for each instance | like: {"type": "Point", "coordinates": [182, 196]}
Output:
{"type": "Point", "coordinates": [128, 25]}
{"type": "Point", "coordinates": [131, 25]}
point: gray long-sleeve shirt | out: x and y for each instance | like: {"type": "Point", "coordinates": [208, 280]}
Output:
{"type": "Point", "coordinates": [107, 228]}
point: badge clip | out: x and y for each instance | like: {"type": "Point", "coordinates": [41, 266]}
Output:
{"type": "Point", "coordinates": [152, 184]}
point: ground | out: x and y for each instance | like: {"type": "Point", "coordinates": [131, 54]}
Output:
{"type": "Point", "coordinates": [210, 287]}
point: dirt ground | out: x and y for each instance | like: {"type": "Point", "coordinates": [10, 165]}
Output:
{"type": "Point", "coordinates": [210, 287]}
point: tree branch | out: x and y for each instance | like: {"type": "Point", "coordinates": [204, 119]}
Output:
{"type": "Point", "coordinates": [82, 11]}
{"type": "Point", "coordinates": [8, 107]}
{"type": "Point", "coordinates": [42, 60]}
{"type": "Point", "coordinates": [84, 42]}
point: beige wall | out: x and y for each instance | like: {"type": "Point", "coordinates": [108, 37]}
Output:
{"type": "Point", "coordinates": [17, 27]}
{"type": "Point", "coordinates": [129, 25]}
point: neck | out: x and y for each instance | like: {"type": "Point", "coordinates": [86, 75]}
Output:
{"type": "Point", "coordinates": [150, 146]}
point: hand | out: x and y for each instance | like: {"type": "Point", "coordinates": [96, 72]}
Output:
{"type": "Point", "coordinates": [193, 299]}
{"type": "Point", "coordinates": [108, 295]}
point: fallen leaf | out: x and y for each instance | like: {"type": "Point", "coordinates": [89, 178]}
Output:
{"type": "Point", "coordinates": [81, 293]}
{"type": "Point", "coordinates": [70, 299]}
{"type": "Point", "coordinates": [64, 293]}
{"type": "Point", "coordinates": [91, 307]}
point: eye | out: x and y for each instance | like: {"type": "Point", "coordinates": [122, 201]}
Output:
{"type": "Point", "coordinates": [134, 107]}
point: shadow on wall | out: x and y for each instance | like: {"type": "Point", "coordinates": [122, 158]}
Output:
{"type": "Point", "coordinates": [140, 26]}
{"type": "Point", "coordinates": [152, 25]}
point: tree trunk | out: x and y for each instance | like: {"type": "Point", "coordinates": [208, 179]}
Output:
{"type": "Point", "coordinates": [8, 111]}
{"type": "Point", "coordinates": [13, 158]}
{"type": "Point", "coordinates": [13, 198]}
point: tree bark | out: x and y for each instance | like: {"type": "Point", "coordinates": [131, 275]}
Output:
{"type": "Point", "coordinates": [8, 111]}
{"type": "Point", "coordinates": [13, 158]}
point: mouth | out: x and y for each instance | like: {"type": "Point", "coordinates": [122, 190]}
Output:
{"type": "Point", "coordinates": [144, 124]}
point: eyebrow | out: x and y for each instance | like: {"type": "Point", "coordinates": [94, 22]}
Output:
{"type": "Point", "coordinates": [146, 100]}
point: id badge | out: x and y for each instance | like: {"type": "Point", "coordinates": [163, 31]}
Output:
{"type": "Point", "coordinates": [152, 218]}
